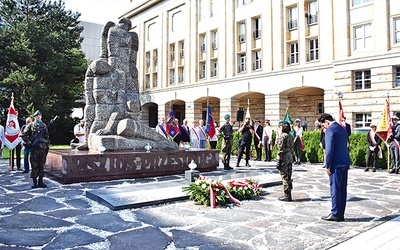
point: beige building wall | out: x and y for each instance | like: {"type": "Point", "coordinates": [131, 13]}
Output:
{"type": "Point", "coordinates": [276, 83]}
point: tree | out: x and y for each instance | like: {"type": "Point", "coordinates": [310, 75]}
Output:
{"type": "Point", "coordinates": [41, 61]}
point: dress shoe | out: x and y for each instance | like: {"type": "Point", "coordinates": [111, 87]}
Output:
{"type": "Point", "coordinates": [366, 169]}
{"type": "Point", "coordinates": [330, 217]}
{"type": "Point", "coordinates": [373, 169]}
{"type": "Point", "coordinates": [19, 169]}
{"type": "Point", "coordinates": [397, 171]}
{"type": "Point", "coordinates": [265, 160]}
{"type": "Point", "coordinates": [25, 171]}
{"type": "Point", "coordinates": [248, 165]}
{"type": "Point", "coordinates": [228, 168]}
{"type": "Point", "coordinates": [392, 171]}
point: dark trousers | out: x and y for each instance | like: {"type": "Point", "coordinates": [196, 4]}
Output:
{"type": "Point", "coordinates": [213, 144]}
{"type": "Point", "coordinates": [16, 154]}
{"type": "Point", "coordinates": [26, 159]}
{"type": "Point", "coordinates": [38, 160]}
{"type": "Point", "coordinates": [338, 189]}
{"type": "Point", "coordinates": [244, 147]}
{"type": "Point", "coordinates": [374, 155]}
{"type": "Point", "coordinates": [268, 150]}
{"type": "Point", "coordinates": [394, 155]}
{"type": "Point", "coordinates": [258, 152]}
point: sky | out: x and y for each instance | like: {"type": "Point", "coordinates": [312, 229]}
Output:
{"type": "Point", "coordinates": [98, 11]}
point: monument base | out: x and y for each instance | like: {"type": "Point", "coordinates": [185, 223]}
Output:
{"type": "Point", "coordinates": [72, 166]}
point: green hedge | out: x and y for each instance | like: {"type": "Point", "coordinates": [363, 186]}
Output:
{"type": "Point", "coordinates": [313, 153]}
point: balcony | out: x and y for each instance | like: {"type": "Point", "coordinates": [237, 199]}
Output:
{"type": "Point", "coordinates": [214, 45]}
{"type": "Point", "coordinates": [214, 73]}
{"type": "Point", "coordinates": [202, 75]}
{"type": "Point", "coordinates": [181, 78]}
{"type": "Point", "coordinates": [257, 34]}
{"type": "Point", "coordinates": [241, 68]}
{"type": "Point", "coordinates": [257, 65]}
{"type": "Point", "coordinates": [313, 55]}
{"type": "Point", "coordinates": [292, 25]}
{"type": "Point", "coordinates": [203, 48]}
{"type": "Point", "coordinates": [312, 19]}
{"type": "Point", "coordinates": [182, 54]}
{"type": "Point", "coordinates": [242, 38]}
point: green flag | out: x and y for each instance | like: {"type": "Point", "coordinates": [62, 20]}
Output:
{"type": "Point", "coordinates": [287, 118]}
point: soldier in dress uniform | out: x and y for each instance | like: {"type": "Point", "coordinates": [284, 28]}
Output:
{"type": "Point", "coordinates": [36, 137]}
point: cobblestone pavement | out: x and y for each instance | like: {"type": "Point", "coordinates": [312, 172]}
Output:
{"type": "Point", "coordinates": [62, 217]}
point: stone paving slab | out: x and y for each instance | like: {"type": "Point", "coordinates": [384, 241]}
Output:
{"type": "Point", "coordinates": [148, 194]}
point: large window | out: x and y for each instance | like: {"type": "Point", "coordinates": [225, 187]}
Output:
{"type": "Point", "coordinates": [256, 28]}
{"type": "Point", "coordinates": [171, 76]}
{"type": "Point", "coordinates": [363, 120]}
{"type": "Point", "coordinates": [202, 71]}
{"type": "Point", "coordinates": [242, 32]}
{"type": "Point", "coordinates": [313, 50]}
{"type": "Point", "coordinates": [312, 17]}
{"type": "Point", "coordinates": [214, 35]}
{"type": "Point", "coordinates": [182, 48]}
{"type": "Point", "coordinates": [257, 60]}
{"type": "Point", "coordinates": [363, 37]}
{"type": "Point", "coordinates": [362, 79]}
{"type": "Point", "coordinates": [396, 27]}
{"type": "Point", "coordinates": [203, 40]}
{"type": "Point", "coordinates": [292, 13]}
{"type": "Point", "coordinates": [242, 63]}
{"type": "Point", "coordinates": [358, 2]}
{"type": "Point", "coordinates": [396, 76]}
{"type": "Point", "coordinates": [293, 53]}
{"type": "Point", "coordinates": [214, 70]}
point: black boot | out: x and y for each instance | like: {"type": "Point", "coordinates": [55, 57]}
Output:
{"type": "Point", "coordinates": [41, 184]}
{"type": "Point", "coordinates": [397, 171]}
{"type": "Point", "coordinates": [286, 197]}
{"type": "Point", "coordinates": [35, 184]}
{"type": "Point", "coordinates": [392, 171]}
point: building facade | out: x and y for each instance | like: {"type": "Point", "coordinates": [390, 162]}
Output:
{"type": "Point", "coordinates": [270, 55]}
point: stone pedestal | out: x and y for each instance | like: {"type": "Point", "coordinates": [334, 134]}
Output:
{"type": "Point", "coordinates": [190, 175]}
{"type": "Point", "coordinates": [72, 166]}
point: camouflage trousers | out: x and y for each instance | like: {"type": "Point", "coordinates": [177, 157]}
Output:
{"type": "Point", "coordinates": [37, 159]}
{"type": "Point", "coordinates": [226, 152]}
{"type": "Point", "coordinates": [286, 176]}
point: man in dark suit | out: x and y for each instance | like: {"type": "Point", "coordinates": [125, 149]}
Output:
{"type": "Point", "coordinates": [337, 162]}
{"type": "Point", "coordinates": [184, 131]}
{"type": "Point", "coordinates": [257, 139]}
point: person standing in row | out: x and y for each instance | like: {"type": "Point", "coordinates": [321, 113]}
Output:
{"type": "Point", "coordinates": [184, 131]}
{"type": "Point", "coordinates": [394, 146]}
{"type": "Point", "coordinates": [214, 139]}
{"type": "Point", "coordinates": [337, 162]}
{"type": "Point", "coordinates": [36, 137]}
{"type": "Point", "coordinates": [298, 130]}
{"type": "Point", "coordinates": [374, 147]}
{"type": "Point", "coordinates": [26, 149]}
{"type": "Point", "coordinates": [247, 131]}
{"type": "Point", "coordinates": [285, 160]}
{"type": "Point", "coordinates": [226, 131]}
{"type": "Point", "coordinates": [267, 140]}
{"type": "Point", "coordinates": [161, 128]}
{"type": "Point", "coordinates": [194, 135]}
{"type": "Point", "coordinates": [258, 133]}
{"type": "Point", "coordinates": [202, 134]}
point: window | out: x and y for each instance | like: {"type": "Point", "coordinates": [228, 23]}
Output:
{"type": "Point", "coordinates": [363, 120]}
{"type": "Point", "coordinates": [358, 2]}
{"type": "Point", "coordinates": [214, 35]}
{"type": "Point", "coordinates": [242, 2]}
{"type": "Point", "coordinates": [172, 48]}
{"type": "Point", "coordinates": [312, 16]}
{"type": "Point", "coordinates": [182, 52]}
{"type": "Point", "coordinates": [202, 71]}
{"type": "Point", "coordinates": [155, 58]}
{"type": "Point", "coordinates": [257, 60]}
{"type": "Point", "coordinates": [242, 32]}
{"type": "Point", "coordinates": [363, 37]}
{"type": "Point", "coordinates": [362, 79]}
{"type": "Point", "coordinates": [313, 50]}
{"type": "Point", "coordinates": [147, 80]}
{"type": "Point", "coordinates": [172, 76]}
{"type": "Point", "coordinates": [214, 65]}
{"type": "Point", "coordinates": [396, 76]}
{"type": "Point", "coordinates": [180, 76]}
{"type": "Point", "coordinates": [320, 108]}
{"type": "Point", "coordinates": [396, 28]}
{"type": "Point", "coordinates": [256, 28]}
{"type": "Point", "coordinates": [203, 40]}
{"type": "Point", "coordinates": [292, 24]}
{"type": "Point", "coordinates": [294, 53]}
{"type": "Point", "coordinates": [242, 63]}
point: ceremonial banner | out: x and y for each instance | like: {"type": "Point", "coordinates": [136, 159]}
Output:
{"type": "Point", "coordinates": [12, 129]}
{"type": "Point", "coordinates": [287, 118]}
{"type": "Point", "coordinates": [210, 126]}
{"type": "Point", "coordinates": [384, 127]}
{"type": "Point", "coordinates": [171, 129]}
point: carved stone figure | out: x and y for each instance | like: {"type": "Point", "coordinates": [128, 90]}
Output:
{"type": "Point", "coordinates": [112, 110]}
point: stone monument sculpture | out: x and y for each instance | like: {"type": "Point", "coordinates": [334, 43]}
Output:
{"type": "Point", "coordinates": [112, 110]}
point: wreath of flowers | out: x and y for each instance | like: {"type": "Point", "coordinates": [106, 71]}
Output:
{"type": "Point", "coordinates": [213, 193]}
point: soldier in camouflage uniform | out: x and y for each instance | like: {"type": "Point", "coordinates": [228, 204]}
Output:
{"type": "Point", "coordinates": [38, 142]}
{"type": "Point", "coordinates": [226, 131]}
{"type": "Point", "coordinates": [285, 159]}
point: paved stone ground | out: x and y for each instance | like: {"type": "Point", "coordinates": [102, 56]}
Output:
{"type": "Point", "coordinates": [62, 217]}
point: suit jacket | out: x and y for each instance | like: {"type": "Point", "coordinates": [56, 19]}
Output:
{"type": "Point", "coordinates": [259, 132]}
{"type": "Point", "coordinates": [337, 154]}
{"type": "Point", "coordinates": [185, 133]}
{"type": "Point", "coordinates": [378, 140]}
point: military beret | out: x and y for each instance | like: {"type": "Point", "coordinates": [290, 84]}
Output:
{"type": "Point", "coordinates": [37, 112]}
{"type": "Point", "coordinates": [227, 116]}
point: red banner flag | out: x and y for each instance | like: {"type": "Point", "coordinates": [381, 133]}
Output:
{"type": "Point", "coordinates": [210, 126]}
{"type": "Point", "coordinates": [384, 128]}
{"type": "Point", "coordinates": [12, 129]}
